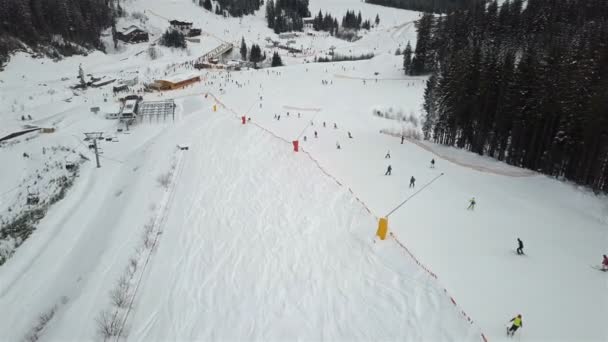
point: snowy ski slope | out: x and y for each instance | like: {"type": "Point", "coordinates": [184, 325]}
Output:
{"type": "Point", "coordinates": [256, 242]}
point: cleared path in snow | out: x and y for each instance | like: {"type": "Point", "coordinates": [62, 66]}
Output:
{"type": "Point", "coordinates": [260, 245]}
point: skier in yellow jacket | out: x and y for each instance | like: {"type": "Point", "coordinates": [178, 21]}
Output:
{"type": "Point", "coordinates": [517, 323]}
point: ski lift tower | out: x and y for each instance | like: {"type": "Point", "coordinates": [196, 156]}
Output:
{"type": "Point", "coordinates": [95, 136]}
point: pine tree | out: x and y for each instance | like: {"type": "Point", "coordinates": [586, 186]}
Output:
{"type": "Point", "coordinates": [407, 59]}
{"type": "Point", "coordinates": [270, 13]}
{"type": "Point", "coordinates": [114, 34]}
{"type": "Point", "coordinates": [422, 63]}
{"type": "Point", "coordinates": [255, 54]}
{"type": "Point", "coordinates": [276, 60]}
{"type": "Point", "coordinates": [377, 21]}
{"type": "Point", "coordinates": [243, 49]}
{"type": "Point", "coordinates": [173, 38]}
{"type": "Point", "coordinates": [429, 106]}
{"type": "Point", "coordinates": [207, 5]}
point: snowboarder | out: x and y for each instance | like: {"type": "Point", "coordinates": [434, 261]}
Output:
{"type": "Point", "coordinates": [520, 248]}
{"type": "Point", "coordinates": [605, 263]}
{"type": "Point", "coordinates": [402, 139]}
{"type": "Point", "coordinates": [388, 171]}
{"type": "Point", "coordinates": [517, 323]}
{"type": "Point", "coordinates": [388, 155]}
{"type": "Point", "coordinates": [350, 135]}
{"type": "Point", "coordinates": [315, 134]}
{"type": "Point", "coordinates": [472, 204]}
{"type": "Point", "coordinates": [412, 182]}
{"type": "Point", "coordinates": [433, 163]}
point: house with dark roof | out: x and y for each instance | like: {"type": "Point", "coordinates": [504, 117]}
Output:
{"type": "Point", "coordinates": [132, 34]}
{"type": "Point", "coordinates": [181, 26]}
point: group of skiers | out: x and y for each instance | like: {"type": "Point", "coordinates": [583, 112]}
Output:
{"type": "Point", "coordinates": [517, 321]}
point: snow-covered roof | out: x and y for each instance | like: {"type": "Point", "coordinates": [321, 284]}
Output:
{"type": "Point", "coordinates": [180, 23]}
{"type": "Point", "coordinates": [130, 29]}
{"type": "Point", "coordinates": [180, 77]}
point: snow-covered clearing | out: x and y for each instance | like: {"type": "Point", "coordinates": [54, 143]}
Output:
{"type": "Point", "coordinates": [256, 242]}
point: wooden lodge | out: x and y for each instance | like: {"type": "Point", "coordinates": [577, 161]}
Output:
{"type": "Point", "coordinates": [176, 82]}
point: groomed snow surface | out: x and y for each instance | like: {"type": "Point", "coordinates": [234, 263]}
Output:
{"type": "Point", "coordinates": [255, 242]}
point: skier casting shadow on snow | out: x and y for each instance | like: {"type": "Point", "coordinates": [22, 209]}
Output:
{"type": "Point", "coordinates": [517, 323]}
{"type": "Point", "coordinates": [388, 171]}
{"type": "Point", "coordinates": [520, 248]}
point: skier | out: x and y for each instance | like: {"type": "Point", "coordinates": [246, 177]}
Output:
{"type": "Point", "coordinates": [605, 263]}
{"type": "Point", "coordinates": [520, 248]}
{"type": "Point", "coordinates": [433, 163]}
{"type": "Point", "coordinates": [335, 126]}
{"type": "Point", "coordinates": [304, 138]}
{"type": "Point", "coordinates": [388, 171]}
{"type": "Point", "coordinates": [315, 134]}
{"type": "Point", "coordinates": [472, 204]}
{"type": "Point", "coordinates": [279, 117]}
{"type": "Point", "coordinates": [323, 124]}
{"type": "Point", "coordinates": [517, 323]}
{"type": "Point", "coordinates": [388, 155]}
{"type": "Point", "coordinates": [337, 145]}
{"type": "Point", "coordinates": [402, 138]}
{"type": "Point", "coordinates": [350, 136]}
{"type": "Point", "coordinates": [412, 182]}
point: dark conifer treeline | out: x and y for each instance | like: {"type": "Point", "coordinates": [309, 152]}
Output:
{"type": "Point", "coordinates": [431, 6]}
{"type": "Point", "coordinates": [286, 15]}
{"type": "Point", "coordinates": [349, 21]}
{"type": "Point", "coordinates": [34, 22]}
{"type": "Point", "coordinates": [325, 23]}
{"type": "Point", "coordinates": [524, 84]}
{"type": "Point", "coordinates": [237, 8]}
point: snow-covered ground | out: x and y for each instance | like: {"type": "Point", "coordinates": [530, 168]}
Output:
{"type": "Point", "coordinates": [256, 242]}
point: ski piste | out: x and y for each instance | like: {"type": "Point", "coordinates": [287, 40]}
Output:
{"type": "Point", "coordinates": [218, 251]}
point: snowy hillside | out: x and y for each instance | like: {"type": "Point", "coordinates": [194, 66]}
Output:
{"type": "Point", "coordinates": [239, 237]}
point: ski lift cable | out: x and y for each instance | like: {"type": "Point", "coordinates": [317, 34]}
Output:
{"type": "Point", "coordinates": [414, 194]}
